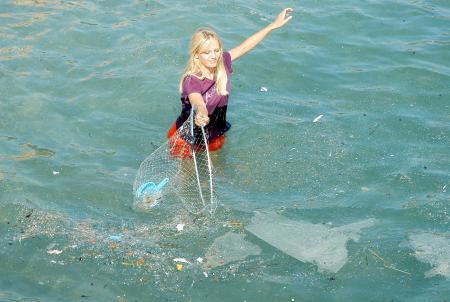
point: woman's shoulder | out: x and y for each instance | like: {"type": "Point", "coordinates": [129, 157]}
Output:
{"type": "Point", "coordinates": [192, 83]}
{"type": "Point", "coordinates": [193, 77]}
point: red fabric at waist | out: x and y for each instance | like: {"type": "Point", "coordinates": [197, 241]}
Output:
{"type": "Point", "coordinates": [180, 148]}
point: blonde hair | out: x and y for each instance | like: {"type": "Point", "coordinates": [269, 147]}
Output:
{"type": "Point", "coordinates": [200, 37]}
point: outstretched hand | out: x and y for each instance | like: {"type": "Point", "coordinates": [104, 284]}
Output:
{"type": "Point", "coordinates": [282, 18]}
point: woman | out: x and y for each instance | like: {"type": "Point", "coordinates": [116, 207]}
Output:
{"type": "Point", "coordinates": [205, 84]}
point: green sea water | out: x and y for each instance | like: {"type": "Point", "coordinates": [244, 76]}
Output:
{"type": "Point", "coordinates": [88, 89]}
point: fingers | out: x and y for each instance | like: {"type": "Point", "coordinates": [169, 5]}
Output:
{"type": "Point", "coordinates": [287, 11]}
{"type": "Point", "coordinates": [287, 19]}
{"type": "Point", "coordinates": [201, 120]}
{"type": "Point", "coordinates": [283, 16]}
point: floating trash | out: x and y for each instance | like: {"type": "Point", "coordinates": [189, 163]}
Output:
{"type": "Point", "coordinates": [433, 249]}
{"type": "Point", "coordinates": [54, 252]}
{"type": "Point", "coordinates": [183, 260]}
{"type": "Point", "coordinates": [150, 193]}
{"type": "Point", "coordinates": [317, 118]}
{"type": "Point", "coordinates": [116, 238]}
{"type": "Point", "coordinates": [35, 152]}
{"type": "Point", "coordinates": [229, 248]}
{"type": "Point", "coordinates": [308, 242]}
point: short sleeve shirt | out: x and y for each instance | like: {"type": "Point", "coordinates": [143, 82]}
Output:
{"type": "Point", "coordinates": [207, 88]}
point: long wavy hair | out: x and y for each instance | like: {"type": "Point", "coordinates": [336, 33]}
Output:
{"type": "Point", "coordinates": [200, 37]}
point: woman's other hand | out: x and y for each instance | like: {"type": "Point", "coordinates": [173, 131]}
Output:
{"type": "Point", "coordinates": [282, 18]}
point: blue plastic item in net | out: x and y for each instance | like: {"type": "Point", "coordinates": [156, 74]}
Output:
{"type": "Point", "coordinates": [150, 188]}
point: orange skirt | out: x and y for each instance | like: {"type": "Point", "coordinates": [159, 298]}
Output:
{"type": "Point", "coordinates": [180, 148]}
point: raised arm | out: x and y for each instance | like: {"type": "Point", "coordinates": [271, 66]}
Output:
{"type": "Point", "coordinates": [256, 38]}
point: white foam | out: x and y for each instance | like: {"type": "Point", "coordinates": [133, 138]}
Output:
{"type": "Point", "coordinates": [433, 249]}
{"type": "Point", "coordinates": [313, 243]}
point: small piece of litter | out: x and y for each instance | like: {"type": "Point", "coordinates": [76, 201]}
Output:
{"type": "Point", "coordinates": [317, 118]}
{"type": "Point", "coordinates": [180, 227]}
{"type": "Point", "coordinates": [54, 252]}
{"type": "Point", "coordinates": [205, 274]}
{"type": "Point", "coordinates": [181, 260]}
{"type": "Point", "coordinates": [55, 172]}
{"type": "Point", "coordinates": [140, 261]}
{"type": "Point", "coordinates": [199, 260]}
{"type": "Point", "coordinates": [263, 89]}
{"type": "Point", "coordinates": [365, 189]}
{"type": "Point", "coordinates": [179, 267]}
{"type": "Point", "coordinates": [443, 188]}
{"type": "Point", "coordinates": [116, 238]}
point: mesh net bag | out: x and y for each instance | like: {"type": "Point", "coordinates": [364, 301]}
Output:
{"type": "Point", "coordinates": [180, 169]}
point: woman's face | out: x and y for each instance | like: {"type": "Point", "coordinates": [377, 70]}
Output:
{"type": "Point", "coordinates": [209, 54]}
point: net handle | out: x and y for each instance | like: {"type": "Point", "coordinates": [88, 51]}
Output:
{"type": "Point", "coordinates": [194, 156]}
{"type": "Point", "coordinates": [210, 170]}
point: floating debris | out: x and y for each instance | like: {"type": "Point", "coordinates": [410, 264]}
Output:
{"type": "Point", "coordinates": [433, 249]}
{"type": "Point", "coordinates": [116, 238]}
{"type": "Point", "coordinates": [183, 260]}
{"type": "Point", "coordinates": [386, 264]}
{"type": "Point", "coordinates": [308, 242]}
{"type": "Point", "coordinates": [374, 129]}
{"type": "Point", "coordinates": [180, 227]}
{"type": "Point", "coordinates": [263, 89]}
{"type": "Point", "coordinates": [317, 118]}
{"type": "Point", "coordinates": [236, 224]}
{"type": "Point", "coordinates": [34, 153]}
{"type": "Point", "coordinates": [54, 252]}
{"type": "Point", "coordinates": [229, 248]}
{"type": "Point", "coordinates": [179, 267]}
{"type": "Point", "coordinates": [140, 261]}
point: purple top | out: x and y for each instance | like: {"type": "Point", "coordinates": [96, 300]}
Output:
{"type": "Point", "coordinates": [215, 104]}
{"type": "Point", "coordinates": [207, 88]}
